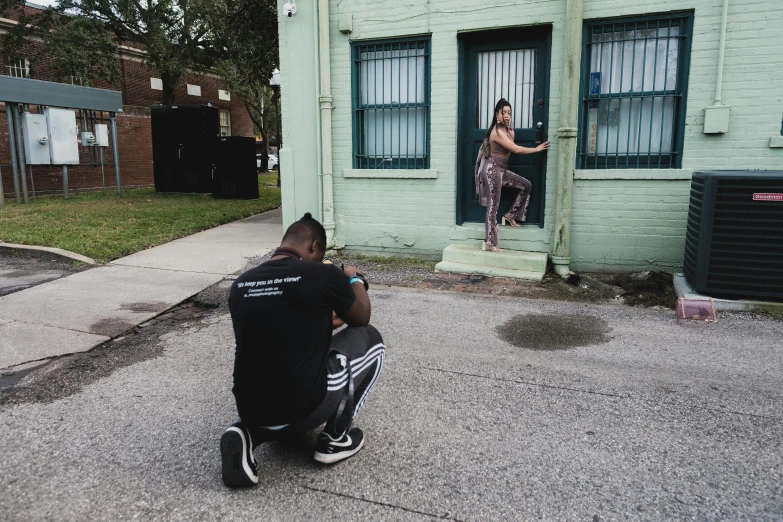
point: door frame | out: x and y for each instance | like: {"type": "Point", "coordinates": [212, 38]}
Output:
{"type": "Point", "coordinates": [543, 31]}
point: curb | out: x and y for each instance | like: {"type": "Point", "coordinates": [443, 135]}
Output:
{"type": "Point", "coordinates": [685, 291]}
{"type": "Point", "coordinates": [46, 252]}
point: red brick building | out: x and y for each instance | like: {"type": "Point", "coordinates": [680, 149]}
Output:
{"type": "Point", "coordinates": [141, 88]}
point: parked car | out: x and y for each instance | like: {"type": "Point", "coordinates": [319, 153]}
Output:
{"type": "Point", "coordinates": [272, 164]}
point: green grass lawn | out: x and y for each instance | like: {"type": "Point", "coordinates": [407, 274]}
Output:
{"type": "Point", "coordinates": [112, 226]}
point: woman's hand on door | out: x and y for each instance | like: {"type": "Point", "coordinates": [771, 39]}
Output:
{"type": "Point", "coordinates": [544, 146]}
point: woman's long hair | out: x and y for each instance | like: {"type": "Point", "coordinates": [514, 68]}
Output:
{"type": "Point", "coordinates": [499, 106]}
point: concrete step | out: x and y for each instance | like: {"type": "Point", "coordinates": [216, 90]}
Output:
{"type": "Point", "coordinates": [470, 259]}
{"type": "Point", "coordinates": [461, 268]}
{"type": "Point", "coordinates": [471, 254]}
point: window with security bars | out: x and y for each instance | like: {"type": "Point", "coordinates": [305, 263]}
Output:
{"type": "Point", "coordinates": [391, 102]}
{"type": "Point", "coordinates": [633, 93]}
{"type": "Point", "coordinates": [17, 68]}
{"type": "Point", "coordinates": [510, 75]}
{"type": "Point", "coordinates": [225, 122]}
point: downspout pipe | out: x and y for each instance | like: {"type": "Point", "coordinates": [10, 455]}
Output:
{"type": "Point", "coordinates": [325, 100]}
{"type": "Point", "coordinates": [22, 165]}
{"type": "Point", "coordinates": [721, 52]}
{"type": "Point", "coordinates": [567, 134]}
{"type": "Point", "coordinates": [12, 148]}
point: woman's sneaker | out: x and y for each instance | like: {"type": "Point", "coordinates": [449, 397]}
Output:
{"type": "Point", "coordinates": [329, 450]}
{"type": "Point", "coordinates": [236, 450]}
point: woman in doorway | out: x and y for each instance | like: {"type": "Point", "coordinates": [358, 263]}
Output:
{"type": "Point", "coordinates": [499, 141]}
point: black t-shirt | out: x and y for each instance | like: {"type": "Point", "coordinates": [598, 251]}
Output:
{"type": "Point", "coordinates": [282, 315]}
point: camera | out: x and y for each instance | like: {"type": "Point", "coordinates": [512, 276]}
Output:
{"type": "Point", "coordinates": [289, 9]}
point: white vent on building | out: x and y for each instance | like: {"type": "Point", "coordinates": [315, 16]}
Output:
{"type": "Point", "coordinates": [156, 84]}
{"type": "Point", "coordinates": [224, 95]}
{"type": "Point", "coordinates": [194, 90]}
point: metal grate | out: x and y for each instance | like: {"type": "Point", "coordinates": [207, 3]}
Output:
{"type": "Point", "coordinates": [633, 93]}
{"type": "Point", "coordinates": [391, 100]}
{"type": "Point", "coordinates": [510, 75]}
{"type": "Point", "coordinates": [746, 253]}
{"type": "Point", "coordinates": [695, 210]}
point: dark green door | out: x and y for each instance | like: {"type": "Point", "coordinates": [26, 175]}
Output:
{"type": "Point", "coordinates": [511, 64]}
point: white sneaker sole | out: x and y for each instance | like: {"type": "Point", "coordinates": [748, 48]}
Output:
{"type": "Point", "coordinates": [325, 458]}
{"type": "Point", "coordinates": [233, 450]}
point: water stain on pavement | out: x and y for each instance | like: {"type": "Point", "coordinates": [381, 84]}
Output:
{"type": "Point", "coordinates": [111, 327]}
{"type": "Point", "coordinates": [554, 332]}
{"type": "Point", "coordinates": [158, 306]}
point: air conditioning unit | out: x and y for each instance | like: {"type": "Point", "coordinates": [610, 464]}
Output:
{"type": "Point", "coordinates": [734, 241]}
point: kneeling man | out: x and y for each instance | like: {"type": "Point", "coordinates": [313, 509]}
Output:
{"type": "Point", "coordinates": [290, 374]}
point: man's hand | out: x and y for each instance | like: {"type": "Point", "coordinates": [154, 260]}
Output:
{"type": "Point", "coordinates": [350, 270]}
{"type": "Point", "coordinates": [336, 321]}
{"type": "Point", "coordinates": [359, 313]}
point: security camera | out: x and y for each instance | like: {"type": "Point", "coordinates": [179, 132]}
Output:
{"type": "Point", "coordinates": [289, 9]}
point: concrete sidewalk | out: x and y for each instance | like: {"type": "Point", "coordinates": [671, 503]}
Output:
{"type": "Point", "coordinates": [79, 312]}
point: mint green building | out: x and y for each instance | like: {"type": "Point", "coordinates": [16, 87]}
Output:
{"type": "Point", "coordinates": [384, 104]}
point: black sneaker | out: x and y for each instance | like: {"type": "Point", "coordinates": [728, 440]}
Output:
{"type": "Point", "coordinates": [329, 450]}
{"type": "Point", "coordinates": [239, 465]}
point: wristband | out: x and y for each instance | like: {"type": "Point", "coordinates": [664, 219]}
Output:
{"type": "Point", "coordinates": [360, 277]}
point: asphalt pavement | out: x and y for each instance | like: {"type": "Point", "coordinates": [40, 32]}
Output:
{"type": "Point", "coordinates": [482, 413]}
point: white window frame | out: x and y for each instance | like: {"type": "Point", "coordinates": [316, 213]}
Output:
{"type": "Point", "coordinates": [224, 116]}
{"type": "Point", "coordinates": [18, 66]}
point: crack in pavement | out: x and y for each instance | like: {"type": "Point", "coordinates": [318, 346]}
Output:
{"type": "Point", "coordinates": [385, 504]}
{"type": "Point", "coordinates": [565, 388]}
{"type": "Point", "coordinates": [519, 381]}
{"type": "Point", "coordinates": [114, 263]}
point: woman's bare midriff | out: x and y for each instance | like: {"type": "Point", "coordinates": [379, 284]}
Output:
{"type": "Point", "coordinates": [497, 149]}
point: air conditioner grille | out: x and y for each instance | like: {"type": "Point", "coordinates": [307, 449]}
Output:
{"type": "Point", "coordinates": [746, 251]}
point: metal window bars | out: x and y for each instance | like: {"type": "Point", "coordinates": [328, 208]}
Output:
{"type": "Point", "coordinates": [391, 92]}
{"type": "Point", "coordinates": [632, 94]}
{"type": "Point", "coordinates": [18, 68]}
{"type": "Point", "coordinates": [510, 75]}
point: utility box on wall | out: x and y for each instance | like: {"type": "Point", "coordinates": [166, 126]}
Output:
{"type": "Point", "coordinates": [36, 139]}
{"type": "Point", "coordinates": [63, 141]}
{"type": "Point", "coordinates": [101, 135]}
{"type": "Point", "coordinates": [716, 119]}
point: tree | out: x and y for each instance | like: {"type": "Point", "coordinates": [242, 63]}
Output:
{"type": "Point", "coordinates": [246, 33]}
{"type": "Point", "coordinates": [75, 49]}
{"type": "Point", "coordinates": [236, 37]}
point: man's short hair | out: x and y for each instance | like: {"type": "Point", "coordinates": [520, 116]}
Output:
{"type": "Point", "coordinates": [305, 230]}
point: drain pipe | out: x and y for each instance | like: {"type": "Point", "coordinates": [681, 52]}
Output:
{"type": "Point", "coordinates": [567, 134]}
{"type": "Point", "coordinates": [721, 52]}
{"type": "Point", "coordinates": [325, 100]}
{"type": "Point", "coordinates": [12, 148]}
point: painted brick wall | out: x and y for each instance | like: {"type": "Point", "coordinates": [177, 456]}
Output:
{"type": "Point", "coordinates": [620, 221]}
{"type": "Point", "coordinates": [628, 224]}
{"type": "Point", "coordinates": [418, 215]}
{"type": "Point", "coordinates": [640, 224]}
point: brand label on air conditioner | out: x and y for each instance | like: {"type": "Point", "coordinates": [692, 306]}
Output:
{"type": "Point", "coordinates": [767, 196]}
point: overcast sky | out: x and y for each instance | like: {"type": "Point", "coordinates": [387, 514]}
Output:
{"type": "Point", "coordinates": [44, 2]}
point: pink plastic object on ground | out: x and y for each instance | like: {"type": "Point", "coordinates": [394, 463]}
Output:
{"type": "Point", "coordinates": [696, 310]}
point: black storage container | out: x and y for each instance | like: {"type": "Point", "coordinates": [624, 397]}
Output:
{"type": "Point", "coordinates": [734, 240]}
{"type": "Point", "coordinates": [183, 147]}
{"type": "Point", "coordinates": [235, 168]}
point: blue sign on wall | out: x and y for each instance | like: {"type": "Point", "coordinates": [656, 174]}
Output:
{"type": "Point", "coordinates": [595, 83]}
